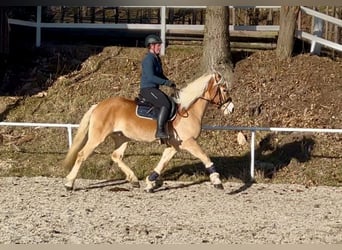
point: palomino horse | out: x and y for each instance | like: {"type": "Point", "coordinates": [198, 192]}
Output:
{"type": "Point", "coordinates": [117, 116]}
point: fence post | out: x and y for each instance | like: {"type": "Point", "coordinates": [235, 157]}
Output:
{"type": "Point", "coordinates": [163, 28]}
{"type": "Point", "coordinates": [69, 135]}
{"type": "Point", "coordinates": [317, 31]}
{"type": "Point", "coordinates": [252, 154]}
{"type": "Point", "coordinates": [38, 25]}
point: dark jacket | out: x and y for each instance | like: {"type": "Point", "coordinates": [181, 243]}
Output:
{"type": "Point", "coordinates": [152, 72]}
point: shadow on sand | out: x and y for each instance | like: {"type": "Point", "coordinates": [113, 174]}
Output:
{"type": "Point", "coordinates": [270, 157]}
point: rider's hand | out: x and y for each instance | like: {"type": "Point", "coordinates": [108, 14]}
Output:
{"type": "Point", "coordinates": [170, 84]}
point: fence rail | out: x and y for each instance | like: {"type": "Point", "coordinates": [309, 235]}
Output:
{"type": "Point", "coordinates": [69, 127]}
{"type": "Point", "coordinates": [315, 39]}
{"type": "Point", "coordinates": [253, 130]}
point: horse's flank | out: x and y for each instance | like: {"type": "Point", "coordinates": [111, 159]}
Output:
{"type": "Point", "coordinates": [118, 115]}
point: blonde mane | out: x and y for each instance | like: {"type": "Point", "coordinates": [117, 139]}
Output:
{"type": "Point", "coordinates": [192, 91]}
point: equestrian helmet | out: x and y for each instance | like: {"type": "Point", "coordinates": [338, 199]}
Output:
{"type": "Point", "coordinates": [152, 39]}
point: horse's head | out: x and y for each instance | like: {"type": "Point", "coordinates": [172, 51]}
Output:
{"type": "Point", "coordinates": [211, 87]}
{"type": "Point", "coordinates": [218, 93]}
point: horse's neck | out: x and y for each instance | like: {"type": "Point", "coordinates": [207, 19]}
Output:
{"type": "Point", "coordinates": [195, 106]}
{"type": "Point", "coordinates": [198, 108]}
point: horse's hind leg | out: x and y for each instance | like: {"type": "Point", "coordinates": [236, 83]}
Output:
{"type": "Point", "coordinates": [117, 155]}
{"type": "Point", "coordinates": [81, 157]}
{"type": "Point", "coordinates": [151, 180]}
{"type": "Point", "coordinates": [192, 147]}
{"type": "Point", "coordinates": [95, 137]}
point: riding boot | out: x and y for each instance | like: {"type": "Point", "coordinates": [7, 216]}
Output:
{"type": "Point", "coordinates": [161, 121]}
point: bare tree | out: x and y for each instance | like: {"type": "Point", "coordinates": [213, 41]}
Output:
{"type": "Point", "coordinates": [216, 44]}
{"type": "Point", "coordinates": [285, 43]}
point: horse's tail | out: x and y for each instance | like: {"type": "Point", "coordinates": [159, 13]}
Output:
{"type": "Point", "coordinates": [79, 140]}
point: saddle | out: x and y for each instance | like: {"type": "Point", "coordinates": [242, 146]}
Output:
{"type": "Point", "coordinates": [146, 109]}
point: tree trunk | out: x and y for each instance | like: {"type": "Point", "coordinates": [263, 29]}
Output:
{"type": "Point", "coordinates": [285, 43]}
{"type": "Point", "coordinates": [216, 44]}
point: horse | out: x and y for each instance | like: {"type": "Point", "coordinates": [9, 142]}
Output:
{"type": "Point", "coordinates": [116, 116]}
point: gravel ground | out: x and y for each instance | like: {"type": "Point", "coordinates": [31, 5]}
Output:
{"type": "Point", "coordinates": [40, 210]}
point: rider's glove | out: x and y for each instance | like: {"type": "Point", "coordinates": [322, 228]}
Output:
{"type": "Point", "coordinates": [170, 84]}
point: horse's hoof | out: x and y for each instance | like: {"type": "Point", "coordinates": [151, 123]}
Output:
{"type": "Point", "coordinates": [149, 190]}
{"type": "Point", "coordinates": [135, 184]}
{"type": "Point", "coordinates": [68, 188]}
{"type": "Point", "coordinates": [218, 186]}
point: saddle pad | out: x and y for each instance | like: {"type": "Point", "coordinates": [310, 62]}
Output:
{"type": "Point", "coordinates": [146, 112]}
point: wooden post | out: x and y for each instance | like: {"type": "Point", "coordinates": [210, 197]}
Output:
{"type": "Point", "coordinates": [202, 16]}
{"type": "Point", "coordinates": [299, 21]}
{"type": "Point", "coordinates": [159, 15]}
{"type": "Point", "coordinates": [233, 16]}
{"type": "Point", "coordinates": [38, 26]}
{"type": "Point", "coordinates": [312, 20]}
{"type": "Point", "coordinates": [140, 15]}
{"type": "Point", "coordinates": [103, 14]}
{"type": "Point", "coordinates": [128, 15]}
{"type": "Point", "coordinates": [171, 15]}
{"type": "Point", "coordinates": [80, 16]}
{"type": "Point", "coordinates": [270, 17]}
{"type": "Point", "coordinates": [92, 14]}
{"type": "Point", "coordinates": [75, 14]}
{"type": "Point", "coordinates": [194, 11]}
{"type": "Point", "coordinates": [62, 14]}
{"type": "Point", "coordinates": [246, 18]}
{"type": "Point", "coordinates": [337, 28]}
{"type": "Point", "coordinates": [327, 25]}
{"type": "Point", "coordinates": [116, 17]}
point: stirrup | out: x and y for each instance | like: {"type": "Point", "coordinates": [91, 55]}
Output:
{"type": "Point", "coordinates": [162, 136]}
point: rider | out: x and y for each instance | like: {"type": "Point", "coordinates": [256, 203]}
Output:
{"type": "Point", "coordinates": [151, 79]}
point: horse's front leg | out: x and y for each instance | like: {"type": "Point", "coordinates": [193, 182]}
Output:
{"type": "Point", "coordinates": [152, 181]}
{"type": "Point", "coordinates": [192, 147]}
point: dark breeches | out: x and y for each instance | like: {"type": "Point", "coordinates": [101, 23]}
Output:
{"type": "Point", "coordinates": [156, 97]}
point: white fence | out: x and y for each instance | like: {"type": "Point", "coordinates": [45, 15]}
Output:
{"type": "Point", "coordinates": [251, 129]}
{"type": "Point", "coordinates": [69, 127]}
{"type": "Point", "coordinates": [316, 40]}
{"type": "Point", "coordinates": [274, 129]}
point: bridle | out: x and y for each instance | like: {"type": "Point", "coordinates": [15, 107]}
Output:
{"type": "Point", "coordinates": [218, 93]}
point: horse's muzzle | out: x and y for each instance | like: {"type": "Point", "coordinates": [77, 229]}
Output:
{"type": "Point", "coordinates": [228, 108]}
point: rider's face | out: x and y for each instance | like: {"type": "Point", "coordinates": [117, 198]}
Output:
{"type": "Point", "coordinates": [155, 48]}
